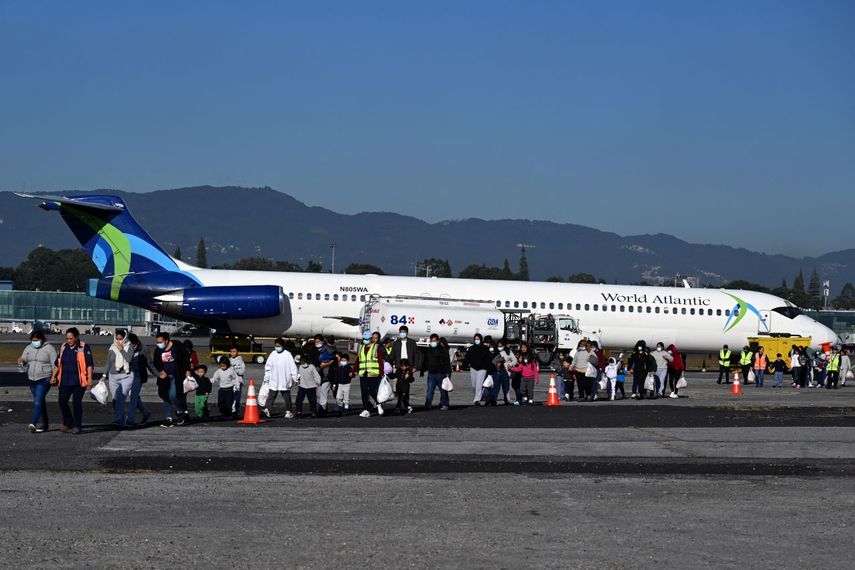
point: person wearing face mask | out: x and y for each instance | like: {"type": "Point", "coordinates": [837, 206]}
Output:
{"type": "Point", "coordinates": [140, 368]}
{"type": "Point", "coordinates": [39, 359]}
{"type": "Point", "coordinates": [405, 347]}
{"type": "Point", "coordinates": [172, 364]}
{"type": "Point", "coordinates": [637, 367]}
{"type": "Point", "coordinates": [663, 360]}
{"type": "Point", "coordinates": [341, 377]}
{"type": "Point", "coordinates": [119, 375]}
{"type": "Point", "coordinates": [503, 361]}
{"type": "Point", "coordinates": [325, 360]}
{"type": "Point", "coordinates": [73, 374]}
{"type": "Point", "coordinates": [437, 364]}
{"type": "Point", "coordinates": [479, 360]}
{"type": "Point", "coordinates": [280, 373]}
{"type": "Point", "coordinates": [369, 363]}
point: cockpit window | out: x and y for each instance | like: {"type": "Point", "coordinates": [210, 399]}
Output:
{"type": "Point", "coordinates": [567, 324]}
{"type": "Point", "coordinates": [789, 312]}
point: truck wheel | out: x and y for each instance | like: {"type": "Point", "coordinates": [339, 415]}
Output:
{"type": "Point", "coordinates": [259, 359]}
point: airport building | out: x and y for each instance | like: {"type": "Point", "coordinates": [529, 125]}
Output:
{"type": "Point", "coordinates": [61, 309]}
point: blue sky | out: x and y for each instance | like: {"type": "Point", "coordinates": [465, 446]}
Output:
{"type": "Point", "coordinates": [723, 122]}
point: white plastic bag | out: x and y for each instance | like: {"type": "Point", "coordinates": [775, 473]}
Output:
{"type": "Point", "coordinates": [850, 375]}
{"type": "Point", "coordinates": [190, 385]}
{"type": "Point", "coordinates": [591, 371]}
{"type": "Point", "coordinates": [751, 377]}
{"type": "Point", "coordinates": [447, 385]}
{"type": "Point", "coordinates": [100, 392]}
{"type": "Point", "coordinates": [488, 382]}
{"type": "Point", "coordinates": [650, 383]}
{"type": "Point", "coordinates": [263, 394]}
{"type": "Point", "coordinates": [681, 383]}
{"type": "Point", "coordinates": [603, 383]}
{"type": "Point", "coordinates": [384, 392]}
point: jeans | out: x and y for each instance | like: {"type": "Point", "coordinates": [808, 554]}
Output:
{"type": "Point", "coordinates": [595, 383]}
{"type": "Point", "coordinates": [559, 385]}
{"type": "Point", "coordinates": [71, 417]}
{"type": "Point", "coordinates": [434, 381]}
{"type": "Point", "coordinates": [174, 403]}
{"type": "Point", "coordinates": [312, 394]}
{"type": "Point", "coordinates": [369, 385]}
{"type": "Point", "coordinates": [759, 375]}
{"type": "Point", "coordinates": [502, 381]}
{"type": "Point", "coordinates": [403, 396]}
{"type": "Point", "coordinates": [723, 372]}
{"type": "Point", "coordinates": [40, 388]}
{"type": "Point", "coordinates": [136, 402]}
{"type": "Point", "coordinates": [492, 394]}
{"type": "Point", "coordinates": [120, 386]}
{"type": "Point", "coordinates": [225, 401]}
{"type": "Point", "coordinates": [819, 377]}
{"type": "Point", "coordinates": [779, 380]}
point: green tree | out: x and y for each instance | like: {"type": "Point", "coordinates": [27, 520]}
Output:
{"type": "Point", "coordinates": [435, 267]}
{"type": "Point", "coordinates": [522, 274]}
{"type": "Point", "coordinates": [177, 253]}
{"type": "Point", "coordinates": [49, 270]}
{"type": "Point", "coordinates": [582, 278]}
{"type": "Point", "coordinates": [481, 271]}
{"type": "Point", "coordinates": [746, 285]}
{"type": "Point", "coordinates": [814, 289]}
{"type": "Point", "coordinates": [363, 269]}
{"type": "Point", "coordinates": [846, 299]}
{"type": "Point", "coordinates": [507, 274]}
{"type": "Point", "coordinates": [7, 273]}
{"type": "Point", "coordinates": [555, 279]}
{"type": "Point", "coordinates": [313, 266]}
{"type": "Point", "coordinates": [262, 264]}
{"type": "Point", "coordinates": [799, 283]}
{"type": "Point", "coordinates": [201, 254]}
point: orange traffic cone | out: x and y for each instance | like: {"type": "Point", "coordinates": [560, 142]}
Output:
{"type": "Point", "coordinates": [457, 368]}
{"type": "Point", "coordinates": [553, 399]}
{"type": "Point", "coordinates": [250, 409]}
{"type": "Point", "coordinates": [736, 388]}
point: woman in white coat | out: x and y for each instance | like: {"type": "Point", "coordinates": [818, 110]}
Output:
{"type": "Point", "coordinates": [280, 372]}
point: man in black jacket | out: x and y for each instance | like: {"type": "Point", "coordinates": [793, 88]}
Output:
{"type": "Point", "coordinates": [405, 347]}
{"type": "Point", "coordinates": [480, 360]}
{"type": "Point", "coordinates": [437, 364]}
{"type": "Point", "coordinates": [173, 365]}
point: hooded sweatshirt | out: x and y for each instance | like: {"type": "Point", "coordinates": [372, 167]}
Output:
{"type": "Point", "coordinates": [40, 361]}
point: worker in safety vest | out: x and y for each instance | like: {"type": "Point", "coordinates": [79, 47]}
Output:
{"type": "Point", "coordinates": [73, 374]}
{"type": "Point", "coordinates": [723, 364]}
{"type": "Point", "coordinates": [760, 364]}
{"type": "Point", "coordinates": [745, 359]}
{"type": "Point", "coordinates": [369, 364]}
{"type": "Point", "coordinates": [833, 370]}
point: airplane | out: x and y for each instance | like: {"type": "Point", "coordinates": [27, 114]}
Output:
{"type": "Point", "coordinates": [137, 271]}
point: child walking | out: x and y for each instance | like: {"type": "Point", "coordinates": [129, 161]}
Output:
{"type": "Point", "coordinates": [611, 374]}
{"type": "Point", "coordinates": [227, 379]}
{"type": "Point", "coordinates": [202, 391]}
{"type": "Point", "coordinates": [779, 367]}
{"type": "Point", "coordinates": [405, 378]}
{"type": "Point", "coordinates": [340, 378]}
{"type": "Point", "coordinates": [308, 384]}
{"type": "Point", "coordinates": [620, 378]}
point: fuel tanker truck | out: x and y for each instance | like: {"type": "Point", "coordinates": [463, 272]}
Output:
{"type": "Point", "coordinates": [458, 320]}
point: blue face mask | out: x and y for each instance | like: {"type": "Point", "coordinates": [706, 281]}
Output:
{"type": "Point", "coordinates": [161, 345]}
{"type": "Point", "coordinates": [343, 363]}
{"type": "Point", "coordinates": [433, 344]}
{"type": "Point", "coordinates": [36, 344]}
{"type": "Point", "coordinates": [477, 341]}
{"type": "Point", "coordinates": [402, 335]}
{"type": "Point", "coordinates": [279, 348]}
{"type": "Point", "coordinates": [366, 341]}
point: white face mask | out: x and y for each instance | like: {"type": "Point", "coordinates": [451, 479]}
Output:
{"type": "Point", "coordinates": [319, 345]}
{"type": "Point", "coordinates": [37, 344]}
{"type": "Point", "coordinates": [433, 344]}
{"type": "Point", "coordinates": [279, 348]}
{"type": "Point", "coordinates": [658, 349]}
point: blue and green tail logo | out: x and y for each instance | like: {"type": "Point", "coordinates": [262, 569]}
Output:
{"type": "Point", "coordinates": [739, 311]}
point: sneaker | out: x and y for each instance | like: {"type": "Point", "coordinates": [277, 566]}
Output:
{"type": "Point", "coordinates": [409, 409]}
{"type": "Point", "coordinates": [346, 407]}
{"type": "Point", "coordinates": [595, 398]}
{"type": "Point", "coordinates": [517, 403]}
{"type": "Point", "coordinates": [32, 428]}
{"type": "Point", "coordinates": [289, 415]}
{"type": "Point", "coordinates": [443, 408]}
{"type": "Point", "coordinates": [64, 429]}
{"type": "Point", "coordinates": [567, 397]}
{"type": "Point", "coordinates": [266, 412]}
{"type": "Point", "coordinates": [75, 431]}
{"type": "Point", "coordinates": [673, 395]}
{"type": "Point", "coordinates": [182, 419]}
{"type": "Point", "coordinates": [365, 414]}
{"type": "Point", "coordinates": [167, 423]}
{"type": "Point", "coordinates": [612, 399]}
{"type": "Point", "coordinates": [525, 399]}
{"type": "Point", "coordinates": [41, 429]}
{"type": "Point", "coordinates": [531, 402]}
{"type": "Point", "coordinates": [380, 410]}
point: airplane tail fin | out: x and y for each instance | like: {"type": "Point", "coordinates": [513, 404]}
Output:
{"type": "Point", "coordinates": [118, 245]}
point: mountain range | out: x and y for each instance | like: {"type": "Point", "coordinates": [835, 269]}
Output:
{"type": "Point", "coordinates": [250, 222]}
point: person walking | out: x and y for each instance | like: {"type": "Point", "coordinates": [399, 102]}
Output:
{"type": "Point", "coordinates": [637, 366]}
{"type": "Point", "coordinates": [119, 375]}
{"type": "Point", "coordinates": [723, 365]}
{"type": "Point", "coordinates": [437, 364]}
{"type": "Point", "coordinates": [845, 366]}
{"type": "Point", "coordinates": [745, 359]}
{"type": "Point", "coordinates": [369, 363]}
{"type": "Point", "coordinates": [226, 377]}
{"type": "Point", "coordinates": [73, 374]}
{"type": "Point", "coordinates": [307, 385]}
{"type": "Point", "coordinates": [676, 367]}
{"type": "Point", "coordinates": [529, 368]}
{"type": "Point", "coordinates": [663, 361]}
{"type": "Point", "coordinates": [832, 370]}
{"type": "Point", "coordinates": [140, 368]}
{"type": "Point", "coordinates": [39, 359]}
{"type": "Point", "coordinates": [479, 360]}
{"type": "Point", "coordinates": [779, 367]}
{"type": "Point", "coordinates": [759, 364]}
{"type": "Point", "coordinates": [404, 348]}
{"type": "Point", "coordinates": [504, 360]}
{"type": "Point", "coordinates": [280, 373]}
{"type": "Point", "coordinates": [795, 365]}
{"type": "Point", "coordinates": [580, 368]}
{"type": "Point", "coordinates": [172, 364]}
{"type": "Point", "coordinates": [239, 366]}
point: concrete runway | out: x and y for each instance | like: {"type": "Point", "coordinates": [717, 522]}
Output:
{"type": "Point", "coordinates": [708, 480]}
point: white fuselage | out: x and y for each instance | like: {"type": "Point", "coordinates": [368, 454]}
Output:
{"type": "Point", "coordinates": [693, 319]}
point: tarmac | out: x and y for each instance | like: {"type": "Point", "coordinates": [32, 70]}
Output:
{"type": "Point", "coordinates": [707, 480]}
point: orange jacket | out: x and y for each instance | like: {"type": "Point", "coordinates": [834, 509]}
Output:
{"type": "Point", "coordinates": [82, 372]}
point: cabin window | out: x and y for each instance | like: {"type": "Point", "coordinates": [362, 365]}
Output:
{"type": "Point", "coordinates": [718, 312]}
{"type": "Point", "coordinates": [542, 305]}
{"type": "Point", "coordinates": [498, 303]}
{"type": "Point", "coordinates": [596, 307]}
{"type": "Point", "coordinates": [507, 304]}
{"type": "Point", "coordinates": [551, 305]}
{"type": "Point", "coordinates": [362, 298]}
{"type": "Point", "coordinates": [578, 306]}
{"type": "Point", "coordinates": [683, 310]}
{"type": "Point", "coordinates": [631, 308]}
{"type": "Point", "coordinates": [335, 297]}
{"type": "Point", "coordinates": [290, 295]}
{"type": "Point", "coordinates": [534, 304]}
{"type": "Point", "coordinates": [709, 312]}
{"type": "Point", "coordinates": [525, 304]}
{"type": "Point", "coordinates": [656, 310]}
{"type": "Point", "coordinates": [308, 296]}
{"type": "Point", "coordinates": [587, 307]}
{"type": "Point", "coordinates": [727, 312]}
{"type": "Point", "coordinates": [649, 309]}
{"type": "Point", "coordinates": [353, 298]}
{"type": "Point", "coordinates": [326, 296]}
{"type": "Point", "coordinates": [560, 306]}
{"type": "Point", "coordinates": [299, 296]}
{"type": "Point", "coordinates": [692, 311]}
{"type": "Point", "coordinates": [614, 308]}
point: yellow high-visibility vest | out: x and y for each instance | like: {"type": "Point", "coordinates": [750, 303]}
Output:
{"type": "Point", "coordinates": [834, 363]}
{"type": "Point", "coordinates": [745, 358]}
{"type": "Point", "coordinates": [724, 357]}
{"type": "Point", "coordinates": [368, 363]}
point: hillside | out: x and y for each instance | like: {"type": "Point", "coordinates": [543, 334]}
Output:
{"type": "Point", "coordinates": [243, 222]}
